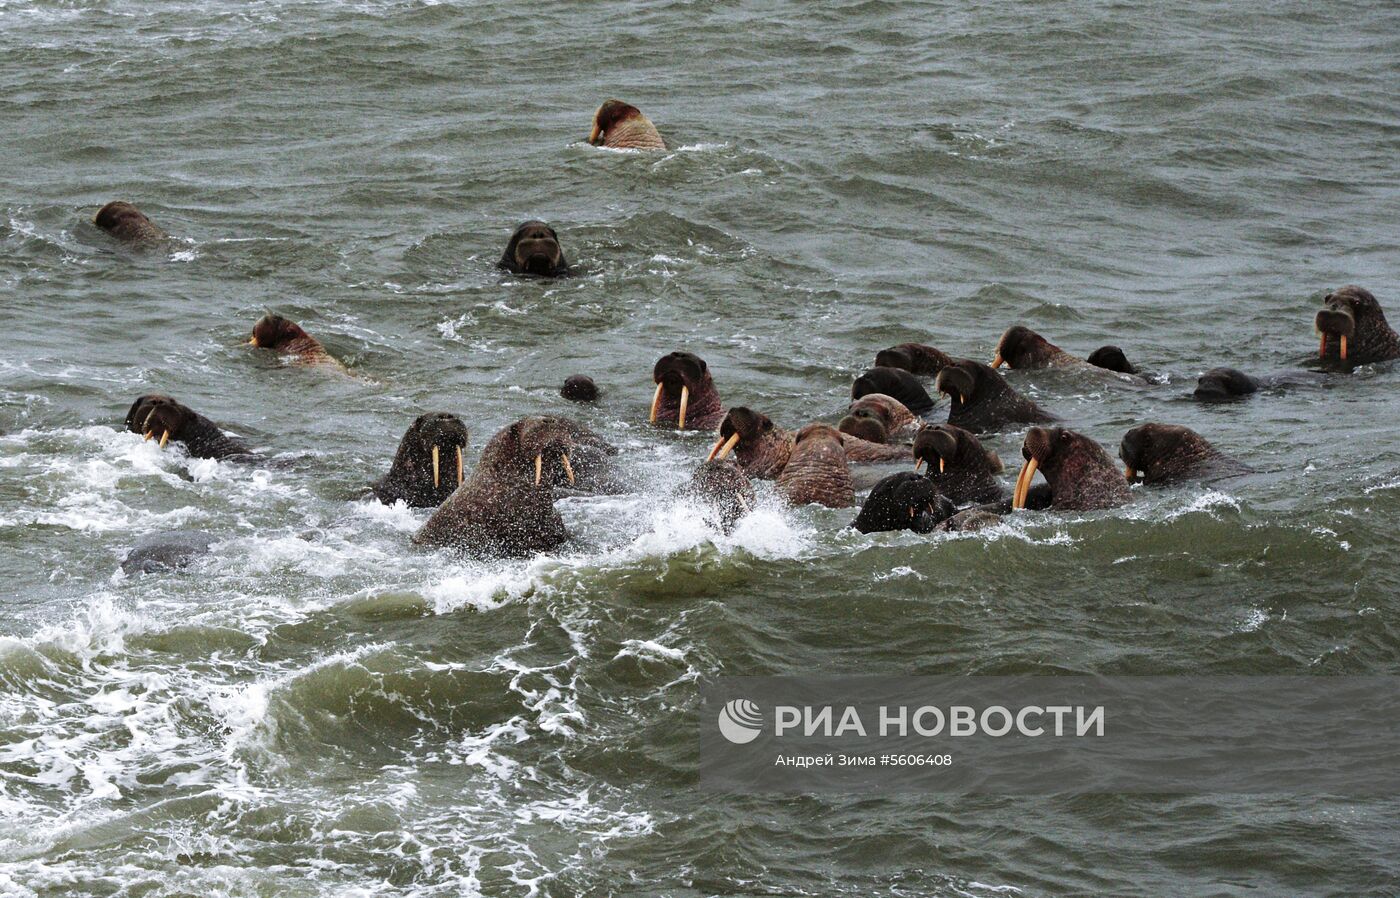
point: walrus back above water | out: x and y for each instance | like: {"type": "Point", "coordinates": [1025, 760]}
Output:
{"type": "Point", "coordinates": [621, 126]}
{"type": "Point", "coordinates": [128, 224]}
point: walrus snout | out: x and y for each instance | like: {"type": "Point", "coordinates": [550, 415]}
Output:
{"type": "Point", "coordinates": [957, 383]}
{"type": "Point", "coordinates": [534, 249]}
{"type": "Point", "coordinates": [1019, 346]}
{"type": "Point", "coordinates": [740, 424]}
{"type": "Point", "coordinates": [1336, 325]}
{"type": "Point", "coordinates": [935, 444]}
{"type": "Point", "coordinates": [864, 424]}
{"type": "Point", "coordinates": [1113, 359]}
{"type": "Point", "coordinates": [442, 437]}
{"type": "Point", "coordinates": [156, 416]}
{"type": "Point", "coordinates": [677, 376]}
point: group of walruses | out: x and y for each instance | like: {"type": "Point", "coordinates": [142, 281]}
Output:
{"type": "Point", "coordinates": [505, 505]}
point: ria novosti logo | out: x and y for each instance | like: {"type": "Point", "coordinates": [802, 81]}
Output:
{"type": "Point", "coordinates": [740, 721]}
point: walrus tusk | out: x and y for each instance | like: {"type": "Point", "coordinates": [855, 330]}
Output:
{"type": "Point", "coordinates": [655, 401]}
{"type": "Point", "coordinates": [720, 451]}
{"type": "Point", "coordinates": [594, 133]}
{"type": "Point", "coordinates": [685, 400]}
{"type": "Point", "coordinates": [568, 468]}
{"type": "Point", "coordinates": [1129, 473]}
{"type": "Point", "coordinates": [459, 465]}
{"type": "Point", "coordinates": [941, 465]}
{"type": "Point", "coordinates": [1322, 347]}
{"type": "Point", "coordinates": [253, 341]}
{"type": "Point", "coordinates": [539, 469]}
{"type": "Point", "coordinates": [918, 464]}
{"type": "Point", "coordinates": [147, 437]}
{"type": "Point", "coordinates": [998, 361]}
{"type": "Point", "coordinates": [1344, 347]}
{"type": "Point", "coordinates": [164, 438]}
{"type": "Point", "coordinates": [911, 514]}
{"type": "Point", "coordinates": [1023, 483]}
{"type": "Point", "coordinates": [436, 479]}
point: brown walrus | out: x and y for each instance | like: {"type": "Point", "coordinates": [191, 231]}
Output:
{"type": "Point", "coordinates": [1170, 453]}
{"type": "Point", "coordinates": [958, 464]}
{"type": "Point", "coordinates": [903, 501]}
{"type": "Point", "coordinates": [816, 471]}
{"type": "Point", "coordinates": [621, 126]}
{"type": "Point", "coordinates": [534, 250]}
{"type": "Point", "coordinates": [894, 382]}
{"type": "Point", "coordinates": [1080, 474]}
{"type": "Point", "coordinates": [725, 488]}
{"type": "Point", "coordinates": [155, 416]}
{"type": "Point", "coordinates": [505, 508]}
{"type": "Point", "coordinates": [982, 400]}
{"type": "Point", "coordinates": [763, 449]}
{"type": "Point", "coordinates": [128, 224]}
{"type": "Point", "coordinates": [416, 477]}
{"type": "Point", "coordinates": [1353, 330]}
{"type": "Point", "coordinates": [916, 358]}
{"type": "Point", "coordinates": [1022, 348]}
{"type": "Point", "coordinates": [286, 337]}
{"type": "Point", "coordinates": [898, 421]}
{"type": "Point", "coordinates": [685, 393]}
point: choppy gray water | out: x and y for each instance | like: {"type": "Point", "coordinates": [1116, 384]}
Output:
{"type": "Point", "coordinates": [317, 709]}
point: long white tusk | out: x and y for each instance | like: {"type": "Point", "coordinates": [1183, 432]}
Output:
{"type": "Point", "coordinates": [436, 479]}
{"type": "Point", "coordinates": [459, 465]}
{"type": "Point", "coordinates": [568, 468]}
{"type": "Point", "coordinates": [722, 451]}
{"type": "Point", "coordinates": [147, 437]}
{"type": "Point", "coordinates": [1023, 483]}
{"type": "Point", "coordinates": [164, 438]}
{"type": "Point", "coordinates": [942, 465]}
{"type": "Point", "coordinates": [655, 401]}
{"type": "Point", "coordinates": [685, 400]}
{"type": "Point", "coordinates": [918, 464]}
{"type": "Point", "coordinates": [539, 469]}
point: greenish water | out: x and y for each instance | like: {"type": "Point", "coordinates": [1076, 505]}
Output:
{"type": "Point", "coordinates": [319, 709]}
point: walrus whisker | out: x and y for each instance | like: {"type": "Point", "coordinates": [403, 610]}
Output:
{"type": "Point", "coordinates": [655, 401]}
{"type": "Point", "coordinates": [539, 469]}
{"type": "Point", "coordinates": [685, 400]}
{"type": "Point", "coordinates": [720, 451]}
{"type": "Point", "coordinates": [459, 466]}
{"type": "Point", "coordinates": [437, 480]}
{"type": "Point", "coordinates": [568, 468]}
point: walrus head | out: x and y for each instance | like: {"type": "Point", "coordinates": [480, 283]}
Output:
{"type": "Point", "coordinates": [895, 382]}
{"type": "Point", "coordinates": [274, 332]}
{"type": "Point", "coordinates": [903, 501]}
{"type": "Point", "coordinates": [982, 400]}
{"type": "Point", "coordinates": [579, 388]}
{"type": "Point", "coordinates": [1220, 384]}
{"type": "Point", "coordinates": [949, 446]}
{"type": "Point", "coordinates": [1080, 473]}
{"type": "Point", "coordinates": [1111, 358]}
{"type": "Point", "coordinates": [534, 249]}
{"type": "Point", "coordinates": [430, 452]}
{"type": "Point", "coordinates": [915, 358]}
{"type": "Point", "coordinates": [866, 424]}
{"type": "Point", "coordinates": [889, 411]}
{"type": "Point", "coordinates": [536, 450]}
{"type": "Point", "coordinates": [1353, 329]}
{"type": "Point", "coordinates": [817, 471]}
{"type": "Point", "coordinates": [1163, 453]}
{"type": "Point", "coordinates": [759, 447]}
{"type": "Point", "coordinates": [684, 391]}
{"type": "Point", "coordinates": [155, 415]}
{"type": "Point", "coordinates": [609, 115]}
{"type": "Point", "coordinates": [1021, 347]}
{"type": "Point", "coordinates": [125, 222]}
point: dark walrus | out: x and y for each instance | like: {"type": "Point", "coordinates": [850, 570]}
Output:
{"type": "Point", "coordinates": [958, 464]}
{"type": "Point", "coordinates": [579, 388]}
{"type": "Point", "coordinates": [169, 550]}
{"type": "Point", "coordinates": [534, 250]}
{"type": "Point", "coordinates": [685, 393]}
{"type": "Point", "coordinates": [1021, 348]}
{"type": "Point", "coordinates": [1170, 453]}
{"type": "Point", "coordinates": [894, 382]}
{"type": "Point", "coordinates": [1222, 384]}
{"type": "Point", "coordinates": [128, 224]}
{"type": "Point", "coordinates": [621, 126]}
{"type": "Point", "coordinates": [982, 400]}
{"type": "Point", "coordinates": [903, 501]}
{"type": "Point", "coordinates": [416, 477]}
{"type": "Point", "coordinates": [1353, 330]}
{"type": "Point", "coordinates": [161, 417]}
{"type": "Point", "coordinates": [763, 449]}
{"type": "Point", "coordinates": [285, 337]}
{"type": "Point", "coordinates": [1080, 474]}
{"type": "Point", "coordinates": [916, 358]}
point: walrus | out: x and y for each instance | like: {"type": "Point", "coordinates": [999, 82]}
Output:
{"type": "Point", "coordinates": [1022, 348]}
{"type": "Point", "coordinates": [1222, 384]}
{"type": "Point", "coordinates": [128, 224]}
{"type": "Point", "coordinates": [621, 126]}
{"type": "Point", "coordinates": [725, 488]}
{"type": "Point", "coordinates": [958, 465]}
{"type": "Point", "coordinates": [155, 416]}
{"type": "Point", "coordinates": [894, 382]}
{"type": "Point", "coordinates": [903, 501]}
{"type": "Point", "coordinates": [1353, 330]}
{"type": "Point", "coordinates": [1080, 474]}
{"type": "Point", "coordinates": [168, 550]}
{"type": "Point", "coordinates": [816, 471]}
{"type": "Point", "coordinates": [898, 421]}
{"type": "Point", "coordinates": [579, 388]}
{"type": "Point", "coordinates": [286, 337]}
{"type": "Point", "coordinates": [864, 424]}
{"type": "Point", "coordinates": [534, 250]}
{"type": "Point", "coordinates": [416, 477]}
{"type": "Point", "coordinates": [1113, 359]}
{"type": "Point", "coordinates": [685, 393]}
{"type": "Point", "coordinates": [982, 400]}
{"type": "Point", "coordinates": [762, 449]}
{"type": "Point", "coordinates": [916, 358]}
{"type": "Point", "coordinates": [505, 509]}
{"type": "Point", "coordinates": [1170, 453]}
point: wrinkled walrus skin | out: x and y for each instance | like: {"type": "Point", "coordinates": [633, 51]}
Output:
{"type": "Point", "coordinates": [725, 489]}
{"type": "Point", "coordinates": [903, 501]}
{"type": "Point", "coordinates": [958, 464]}
{"type": "Point", "coordinates": [982, 400]}
{"type": "Point", "coordinates": [129, 225]}
{"type": "Point", "coordinates": [285, 337]}
{"type": "Point", "coordinates": [621, 126]}
{"type": "Point", "coordinates": [817, 472]}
